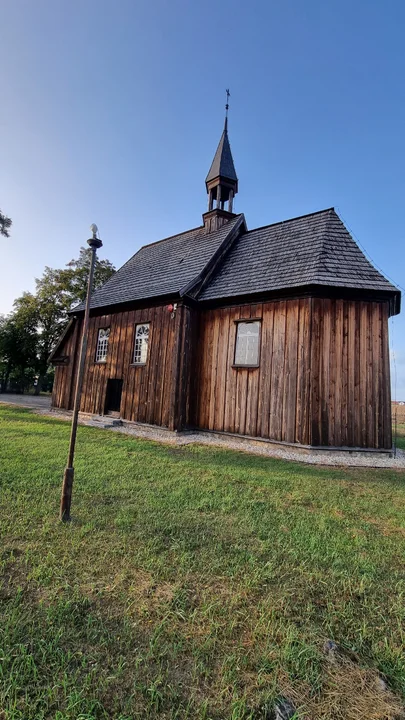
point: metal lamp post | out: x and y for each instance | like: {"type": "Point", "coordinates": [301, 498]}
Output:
{"type": "Point", "coordinates": [66, 498]}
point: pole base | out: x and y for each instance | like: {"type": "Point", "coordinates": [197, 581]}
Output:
{"type": "Point", "coordinates": [66, 498]}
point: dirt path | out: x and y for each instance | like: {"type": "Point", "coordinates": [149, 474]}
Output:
{"type": "Point", "coordinates": [36, 402]}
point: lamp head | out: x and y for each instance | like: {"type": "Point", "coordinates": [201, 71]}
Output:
{"type": "Point", "coordinates": [94, 241]}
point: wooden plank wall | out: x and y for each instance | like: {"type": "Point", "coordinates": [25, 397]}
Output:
{"type": "Point", "coordinates": [323, 378]}
{"type": "Point", "coordinates": [62, 393]}
{"type": "Point", "coordinates": [350, 386]}
{"type": "Point", "coordinates": [271, 401]}
{"type": "Point", "coordinates": [147, 389]}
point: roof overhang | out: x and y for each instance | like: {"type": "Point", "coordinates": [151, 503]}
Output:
{"type": "Point", "coordinates": [307, 291]}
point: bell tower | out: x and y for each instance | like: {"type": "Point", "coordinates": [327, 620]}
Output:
{"type": "Point", "coordinates": [221, 182]}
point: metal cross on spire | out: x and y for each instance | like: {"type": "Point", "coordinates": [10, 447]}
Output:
{"type": "Point", "coordinates": [228, 95]}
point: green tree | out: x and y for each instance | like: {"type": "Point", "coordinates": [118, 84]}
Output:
{"type": "Point", "coordinates": [43, 315]}
{"type": "Point", "coordinates": [5, 225]}
{"type": "Point", "coordinates": [57, 292]}
{"type": "Point", "coordinates": [18, 352]}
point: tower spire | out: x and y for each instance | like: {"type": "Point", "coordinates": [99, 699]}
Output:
{"type": "Point", "coordinates": [221, 181]}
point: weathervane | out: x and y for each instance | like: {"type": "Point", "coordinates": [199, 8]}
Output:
{"type": "Point", "coordinates": [228, 95]}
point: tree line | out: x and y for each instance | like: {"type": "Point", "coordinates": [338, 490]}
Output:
{"type": "Point", "coordinates": [29, 333]}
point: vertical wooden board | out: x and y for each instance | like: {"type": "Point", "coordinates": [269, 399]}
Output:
{"type": "Point", "coordinates": [326, 344]}
{"type": "Point", "coordinates": [375, 360]}
{"type": "Point", "coordinates": [242, 385]}
{"type": "Point", "coordinates": [212, 400]}
{"type": "Point", "coordinates": [103, 372]}
{"type": "Point", "coordinates": [306, 398]}
{"type": "Point", "coordinates": [63, 375]}
{"type": "Point", "coordinates": [303, 373]}
{"type": "Point", "coordinates": [290, 371]}
{"type": "Point", "coordinates": [88, 370]}
{"type": "Point", "coordinates": [369, 379]}
{"type": "Point", "coordinates": [357, 373]}
{"type": "Point", "coordinates": [338, 373]}
{"type": "Point", "coordinates": [90, 362]}
{"type": "Point", "coordinates": [345, 376]}
{"type": "Point", "coordinates": [147, 315]}
{"type": "Point", "coordinates": [222, 369]}
{"type": "Point", "coordinates": [332, 405]}
{"type": "Point", "coordinates": [123, 369]}
{"type": "Point", "coordinates": [190, 362]}
{"type": "Point", "coordinates": [195, 369]}
{"type": "Point", "coordinates": [199, 360]}
{"type": "Point", "coordinates": [231, 380]}
{"type": "Point", "coordinates": [351, 363]}
{"type": "Point", "coordinates": [164, 332]}
{"type": "Point", "coordinates": [136, 370]}
{"type": "Point", "coordinates": [386, 378]}
{"type": "Point", "coordinates": [206, 369]}
{"type": "Point", "coordinates": [256, 311]}
{"type": "Point", "coordinates": [277, 371]}
{"type": "Point", "coordinates": [363, 329]}
{"type": "Point", "coordinates": [380, 419]}
{"type": "Point", "coordinates": [168, 373]}
{"type": "Point", "coordinates": [314, 430]}
{"type": "Point", "coordinates": [75, 361]}
{"type": "Point", "coordinates": [185, 359]}
{"type": "Point", "coordinates": [57, 386]}
{"type": "Point", "coordinates": [94, 367]}
{"type": "Point", "coordinates": [154, 363]}
{"type": "Point", "coordinates": [69, 351]}
{"type": "Point", "coordinates": [116, 343]}
{"type": "Point", "coordinates": [168, 385]}
{"type": "Point", "coordinates": [177, 370]}
{"type": "Point", "coordinates": [98, 371]}
{"type": "Point", "coordinates": [266, 352]}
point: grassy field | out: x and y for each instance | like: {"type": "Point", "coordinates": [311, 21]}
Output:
{"type": "Point", "coordinates": [194, 582]}
{"type": "Point", "coordinates": [399, 411]}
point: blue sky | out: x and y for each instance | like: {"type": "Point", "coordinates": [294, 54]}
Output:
{"type": "Point", "coordinates": [111, 113]}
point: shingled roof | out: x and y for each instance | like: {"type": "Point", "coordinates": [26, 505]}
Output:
{"type": "Point", "coordinates": [222, 164]}
{"type": "Point", "coordinates": [166, 267]}
{"type": "Point", "coordinates": [314, 249]}
{"type": "Point", "coordinates": [311, 250]}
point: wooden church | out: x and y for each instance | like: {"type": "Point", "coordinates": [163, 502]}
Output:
{"type": "Point", "coordinates": [279, 333]}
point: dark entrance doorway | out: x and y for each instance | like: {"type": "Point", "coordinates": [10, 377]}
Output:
{"type": "Point", "coordinates": [113, 396]}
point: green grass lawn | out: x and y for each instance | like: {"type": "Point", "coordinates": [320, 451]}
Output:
{"type": "Point", "coordinates": [194, 582]}
{"type": "Point", "coordinates": [400, 440]}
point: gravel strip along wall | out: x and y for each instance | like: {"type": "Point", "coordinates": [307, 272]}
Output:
{"type": "Point", "coordinates": [312, 457]}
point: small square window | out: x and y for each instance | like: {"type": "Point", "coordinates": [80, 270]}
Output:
{"type": "Point", "coordinates": [102, 344]}
{"type": "Point", "coordinates": [141, 343]}
{"type": "Point", "coordinates": [247, 343]}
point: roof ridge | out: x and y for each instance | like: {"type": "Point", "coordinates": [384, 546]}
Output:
{"type": "Point", "coordinates": [283, 222]}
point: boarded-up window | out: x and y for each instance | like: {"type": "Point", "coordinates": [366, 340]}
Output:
{"type": "Point", "coordinates": [141, 343]}
{"type": "Point", "coordinates": [247, 343]}
{"type": "Point", "coordinates": [102, 344]}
